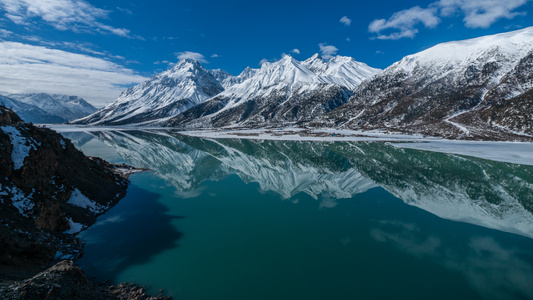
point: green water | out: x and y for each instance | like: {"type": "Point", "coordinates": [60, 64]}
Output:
{"type": "Point", "coordinates": [240, 219]}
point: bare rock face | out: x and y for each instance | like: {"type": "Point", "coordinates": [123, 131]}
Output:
{"type": "Point", "coordinates": [49, 191]}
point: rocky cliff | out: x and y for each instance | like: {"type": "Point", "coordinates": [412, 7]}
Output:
{"type": "Point", "coordinates": [49, 191]}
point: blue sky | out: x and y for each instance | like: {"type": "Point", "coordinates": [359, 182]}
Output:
{"type": "Point", "coordinates": [96, 48]}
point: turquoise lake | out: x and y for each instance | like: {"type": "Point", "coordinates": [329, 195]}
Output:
{"type": "Point", "coordinates": [254, 219]}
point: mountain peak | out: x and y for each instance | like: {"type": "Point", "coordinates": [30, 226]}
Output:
{"type": "Point", "coordinates": [187, 63]}
{"type": "Point", "coordinates": [315, 56]}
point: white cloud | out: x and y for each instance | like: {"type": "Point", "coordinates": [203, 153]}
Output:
{"type": "Point", "coordinates": [5, 33]}
{"type": "Point", "coordinates": [125, 10]}
{"type": "Point", "coordinates": [215, 55]}
{"type": "Point", "coordinates": [477, 14]}
{"type": "Point", "coordinates": [264, 60]}
{"type": "Point", "coordinates": [75, 15]}
{"type": "Point", "coordinates": [28, 68]}
{"type": "Point", "coordinates": [295, 51]}
{"type": "Point", "coordinates": [404, 22]}
{"type": "Point", "coordinates": [191, 55]}
{"type": "Point", "coordinates": [481, 13]}
{"type": "Point", "coordinates": [348, 39]}
{"type": "Point", "coordinates": [346, 21]}
{"type": "Point", "coordinates": [327, 51]}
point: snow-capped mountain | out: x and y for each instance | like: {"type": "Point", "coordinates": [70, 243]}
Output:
{"type": "Point", "coordinates": [163, 96]}
{"type": "Point", "coordinates": [455, 89]}
{"type": "Point", "coordinates": [281, 92]}
{"type": "Point", "coordinates": [63, 106]}
{"type": "Point", "coordinates": [295, 90]}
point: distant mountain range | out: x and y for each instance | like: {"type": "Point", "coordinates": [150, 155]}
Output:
{"type": "Point", "coordinates": [473, 89]}
{"type": "Point", "coordinates": [47, 108]}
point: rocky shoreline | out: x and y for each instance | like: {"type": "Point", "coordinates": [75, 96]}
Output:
{"type": "Point", "coordinates": [49, 192]}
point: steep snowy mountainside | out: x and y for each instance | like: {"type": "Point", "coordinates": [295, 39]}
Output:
{"type": "Point", "coordinates": [163, 96]}
{"type": "Point", "coordinates": [280, 92]}
{"type": "Point", "coordinates": [224, 78]}
{"type": "Point", "coordinates": [433, 91]}
{"type": "Point", "coordinates": [64, 106]}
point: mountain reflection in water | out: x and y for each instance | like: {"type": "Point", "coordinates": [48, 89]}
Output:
{"type": "Point", "coordinates": [207, 222]}
{"type": "Point", "coordinates": [492, 194]}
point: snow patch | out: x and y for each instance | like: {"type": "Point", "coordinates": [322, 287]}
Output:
{"type": "Point", "coordinates": [24, 204]}
{"type": "Point", "coordinates": [74, 227]}
{"type": "Point", "coordinates": [80, 200]}
{"type": "Point", "coordinates": [21, 146]}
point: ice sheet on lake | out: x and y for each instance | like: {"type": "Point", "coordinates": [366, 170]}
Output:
{"type": "Point", "coordinates": [517, 153]}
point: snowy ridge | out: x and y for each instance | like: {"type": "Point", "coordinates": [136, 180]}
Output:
{"type": "Point", "coordinates": [293, 75]}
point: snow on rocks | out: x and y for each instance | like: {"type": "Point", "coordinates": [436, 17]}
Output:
{"type": "Point", "coordinates": [21, 145]}
{"type": "Point", "coordinates": [80, 200]}
{"type": "Point", "coordinates": [74, 227]}
{"type": "Point", "coordinates": [19, 200]}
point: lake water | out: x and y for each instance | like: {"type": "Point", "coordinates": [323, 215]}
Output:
{"type": "Point", "coordinates": [253, 219]}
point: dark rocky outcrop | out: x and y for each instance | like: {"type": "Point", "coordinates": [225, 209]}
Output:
{"type": "Point", "coordinates": [41, 175]}
{"type": "Point", "coordinates": [49, 191]}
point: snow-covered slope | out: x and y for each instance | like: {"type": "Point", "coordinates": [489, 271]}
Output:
{"type": "Point", "coordinates": [427, 92]}
{"type": "Point", "coordinates": [163, 96]}
{"type": "Point", "coordinates": [64, 106]}
{"type": "Point", "coordinates": [279, 92]}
